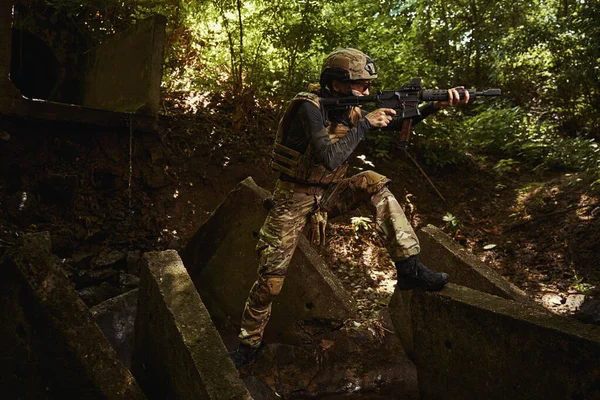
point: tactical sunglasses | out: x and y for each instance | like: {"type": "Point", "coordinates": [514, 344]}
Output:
{"type": "Point", "coordinates": [363, 83]}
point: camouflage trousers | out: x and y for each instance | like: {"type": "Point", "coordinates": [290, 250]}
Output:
{"type": "Point", "coordinates": [283, 226]}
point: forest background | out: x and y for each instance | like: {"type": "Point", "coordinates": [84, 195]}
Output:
{"type": "Point", "coordinates": [544, 55]}
{"type": "Point", "coordinates": [231, 66]}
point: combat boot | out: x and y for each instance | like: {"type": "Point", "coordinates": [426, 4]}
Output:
{"type": "Point", "coordinates": [413, 274]}
{"type": "Point", "coordinates": [244, 354]}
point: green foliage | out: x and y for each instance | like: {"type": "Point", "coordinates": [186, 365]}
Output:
{"type": "Point", "coordinates": [492, 129]}
{"type": "Point", "coordinates": [452, 222]}
{"type": "Point", "coordinates": [533, 140]}
{"type": "Point", "coordinates": [580, 286]}
{"type": "Point", "coordinates": [381, 143]}
{"type": "Point", "coordinates": [506, 165]}
{"type": "Point", "coordinates": [360, 224]}
{"type": "Point", "coordinates": [440, 141]}
{"type": "Point", "coordinates": [544, 55]}
{"type": "Point", "coordinates": [515, 136]}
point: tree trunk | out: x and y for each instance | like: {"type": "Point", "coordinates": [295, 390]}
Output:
{"type": "Point", "coordinates": [475, 41]}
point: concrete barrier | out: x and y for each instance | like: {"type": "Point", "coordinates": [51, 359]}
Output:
{"type": "Point", "coordinates": [222, 261]}
{"type": "Point", "coordinates": [124, 73]}
{"type": "Point", "coordinates": [489, 340]}
{"type": "Point", "coordinates": [12, 103]}
{"type": "Point", "coordinates": [441, 253]}
{"type": "Point", "coordinates": [51, 346]}
{"type": "Point", "coordinates": [116, 318]}
{"type": "Point", "coordinates": [178, 352]}
{"type": "Point", "coordinates": [472, 345]}
{"type": "Point", "coordinates": [9, 95]}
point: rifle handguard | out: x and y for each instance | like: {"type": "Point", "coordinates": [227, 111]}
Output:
{"type": "Point", "coordinates": [442, 95]}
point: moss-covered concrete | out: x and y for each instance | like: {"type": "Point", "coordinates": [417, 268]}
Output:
{"type": "Point", "coordinates": [12, 103]}
{"type": "Point", "coordinates": [124, 73]}
{"type": "Point", "coordinates": [440, 253]}
{"type": "Point", "coordinates": [9, 95]}
{"type": "Point", "coordinates": [222, 261]}
{"type": "Point", "coordinates": [486, 339]}
{"type": "Point", "coordinates": [51, 346]}
{"type": "Point", "coordinates": [178, 352]}
{"type": "Point", "coordinates": [5, 38]}
{"type": "Point", "coordinates": [116, 318]}
{"type": "Point", "coordinates": [473, 345]}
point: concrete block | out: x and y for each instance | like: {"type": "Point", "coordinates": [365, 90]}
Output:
{"type": "Point", "coordinates": [12, 103]}
{"type": "Point", "coordinates": [116, 318]}
{"type": "Point", "coordinates": [440, 253]}
{"type": "Point", "coordinates": [9, 95]}
{"type": "Point", "coordinates": [5, 38]}
{"type": "Point", "coordinates": [473, 345]}
{"type": "Point", "coordinates": [178, 352]}
{"type": "Point", "coordinates": [51, 345]}
{"type": "Point", "coordinates": [124, 73]}
{"type": "Point", "coordinates": [399, 307]}
{"type": "Point", "coordinates": [222, 261]}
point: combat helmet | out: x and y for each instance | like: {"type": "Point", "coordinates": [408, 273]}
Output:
{"type": "Point", "coordinates": [347, 65]}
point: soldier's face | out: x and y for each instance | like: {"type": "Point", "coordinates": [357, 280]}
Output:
{"type": "Point", "coordinates": [360, 87]}
{"type": "Point", "coordinates": [352, 88]}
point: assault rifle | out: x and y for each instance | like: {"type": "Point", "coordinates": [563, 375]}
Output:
{"type": "Point", "coordinates": [405, 101]}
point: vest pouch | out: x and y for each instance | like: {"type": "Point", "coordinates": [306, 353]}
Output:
{"type": "Point", "coordinates": [317, 174]}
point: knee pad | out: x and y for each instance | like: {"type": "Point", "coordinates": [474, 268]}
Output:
{"type": "Point", "coordinates": [274, 284]}
{"type": "Point", "coordinates": [265, 290]}
{"type": "Point", "coordinates": [370, 181]}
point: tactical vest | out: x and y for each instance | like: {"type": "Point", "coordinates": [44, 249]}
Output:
{"type": "Point", "coordinates": [300, 166]}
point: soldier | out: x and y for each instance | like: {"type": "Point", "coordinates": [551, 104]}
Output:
{"type": "Point", "coordinates": [311, 152]}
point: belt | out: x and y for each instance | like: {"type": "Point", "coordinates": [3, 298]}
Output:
{"type": "Point", "coordinates": [300, 188]}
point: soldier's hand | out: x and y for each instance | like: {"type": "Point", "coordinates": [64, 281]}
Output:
{"type": "Point", "coordinates": [453, 98]}
{"type": "Point", "coordinates": [381, 117]}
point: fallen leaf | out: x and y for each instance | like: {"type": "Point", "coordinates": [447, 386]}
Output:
{"type": "Point", "coordinates": [327, 344]}
{"type": "Point", "coordinates": [495, 231]}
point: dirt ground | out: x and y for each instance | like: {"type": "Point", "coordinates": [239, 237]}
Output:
{"type": "Point", "coordinates": [95, 189]}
